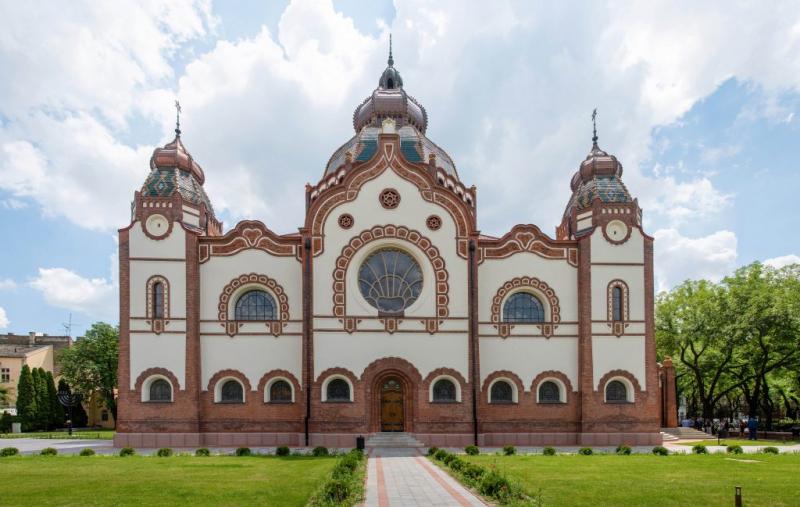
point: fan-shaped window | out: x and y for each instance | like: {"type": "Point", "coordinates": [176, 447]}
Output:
{"type": "Point", "coordinates": [158, 300]}
{"type": "Point", "coordinates": [280, 392]}
{"type": "Point", "coordinates": [231, 392]}
{"type": "Point", "coordinates": [549, 392]}
{"type": "Point", "coordinates": [255, 305]}
{"type": "Point", "coordinates": [523, 307]}
{"type": "Point", "coordinates": [616, 303]}
{"type": "Point", "coordinates": [338, 390]}
{"type": "Point", "coordinates": [444, 390]}
{"type": "Point", "coordinates": [502, 392]}
{"type": "Point", "coordinates": [390, 280]}
{"type": "Point", "coordinates": [616, 392]}
{"type": "Point", "coordinates": [160, 390]}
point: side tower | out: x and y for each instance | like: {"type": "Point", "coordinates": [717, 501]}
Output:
{"type": "Point", "coordinates": [618, 374]}
{"type": "Point", "coordinates": [159, 303]}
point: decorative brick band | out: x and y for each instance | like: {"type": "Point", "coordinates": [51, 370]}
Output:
{"type": "Point", "coordinates": [157, 325]}
{"type": "Point", "coordinates": [163, 372]}
{"type": "Point", "coordinates": [601, 384]}
{"type": "Point", "coordinates": [232, 326]}
{"type": "Point", "coordinates": [547, 328]}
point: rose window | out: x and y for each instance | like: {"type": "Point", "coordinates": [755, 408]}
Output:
{"type": "Point", "coordinates": [390, 280]}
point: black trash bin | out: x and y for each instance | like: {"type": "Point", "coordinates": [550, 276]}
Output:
{"type": "Point", "coordinates": [360, 443]}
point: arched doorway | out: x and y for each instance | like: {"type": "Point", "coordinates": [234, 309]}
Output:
{"type": "Point", "coordinates": [392, 405]}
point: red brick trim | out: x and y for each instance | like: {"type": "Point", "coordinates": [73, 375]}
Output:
{"type": "Point", "coordinates": [165, 209]}
{"type": "Point", "coordinates": [241, 377]}
{"type": "Point", "coordinates": [601, 384]}
{"type": "Point", "coordinates": [628, 226]}
{"type": "Point", "coordinates": [528, 238]}
{"type": "Point", "coordinates": [552, 374]}
{"type": "Point", "coordinates": [513, 377]}
{"type": "Point", "coordinates": [162, 372]}
{"type": "Point", "coordinates": [390, 232]}
{"type": "Point", "coordinates": [539, 288]}
{"type": "Point", "coordinates": [449, 372]}
{"type": "Point", "coordinates": [337, 371]}
{"type": "Point", "coordinates": [272, 374]}
{"type": "Point", "coordinates": [231, 325]}
{"type": "Point", "coordinates": [157, 325]}
{"type": "Point", "coordinates": [373, 376]}
{"type": "Point", "coordinates": [618, 327]}
{"type": "Point", "coordinates": [249, 234]}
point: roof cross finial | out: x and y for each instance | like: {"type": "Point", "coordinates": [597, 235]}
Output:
{"type": "Point", "coordinates": [177, 119]}
{"type": "Point", "coordinates": [391, 60]}
{"type": "Point", "coordinates": [594, 127]}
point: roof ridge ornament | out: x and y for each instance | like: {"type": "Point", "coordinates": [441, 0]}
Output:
{"type": "Point", "coordinates": [391, 59]}
{"type": "Point", "coordinates": [594, 128]}
{"type": "Point", "coordinates": [177, 119]}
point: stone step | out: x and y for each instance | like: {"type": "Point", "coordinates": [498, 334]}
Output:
{"type": "Point", "coordinates": [682, 432]}
{"type": "Point", "coordinates": [393, 440]}
{"type": "Point", "coordinates": [668, 437]}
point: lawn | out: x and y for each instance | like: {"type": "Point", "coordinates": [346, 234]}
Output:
{"type": "Point", "coordinates": [178, 480]}
{"type": "Point", "coordinates": [98, 434]}
{"type": "Point", "coordinates": [654, 480]}
{"type": "Point", "coordinates": [739, 441]}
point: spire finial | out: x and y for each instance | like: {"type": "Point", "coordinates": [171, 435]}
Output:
{"type": "Point", "coordinates": [391, 60]}
{"type": "Point", "coordinates": [594, 127]}
{"type": "Point", "coordinates": [177, 119]}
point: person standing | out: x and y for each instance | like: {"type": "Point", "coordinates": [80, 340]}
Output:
{"type": "Point", "coordinates": [752, 426]}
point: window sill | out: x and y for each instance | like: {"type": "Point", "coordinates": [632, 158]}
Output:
{"type": "Point", "coordinates": [157, 402]}
{"type": "Point", "coordinates": [445, 402]}
{"type": "Point", "coordinates": [619, 402]}
{"type": "Point", "coordinates": [551, 402]}
{"type": "Point", "coordinates": [338, 401]}
{"type": "Point", "coordinates": [502, 403]}
{"type": "Point", "coordinates": [229, 403]}
{"type": "Point", "coordinates": [279, 402]}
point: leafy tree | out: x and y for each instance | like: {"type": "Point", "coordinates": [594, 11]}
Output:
{"type": "Point", "coordinates": [91, 364]}
{"type": "Point", "coordinates": [43, 405]}
{"type": "Point", "coordinates": [4, 397]}
{"type": "Point", "coordinates": [56, 411]}
{"type": "Point", "coordinates": [79, 417]}
{"type": "Point", "coordinates": [26, 399]}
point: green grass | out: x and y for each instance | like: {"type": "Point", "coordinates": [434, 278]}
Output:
{"type": "Point", "coordinates": [76, 434]}
{"type": "Point", "coordinates": [179, 480]}
{"type": "Point", "coordinates": [738, 441]}
{"type": "Point", "coordinates": [648, 480]}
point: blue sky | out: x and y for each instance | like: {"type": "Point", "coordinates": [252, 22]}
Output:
{"type": "Point", "coordinates": [704, 119]}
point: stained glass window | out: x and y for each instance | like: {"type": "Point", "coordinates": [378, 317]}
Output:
{"type": "Point", "coordinates": [616, 392]}
{"type": "Point", "coordinates": [158, 300]}
{"type": "Point", "coordinates": [549, 392]}
{"type": "Point", "coordinates": [255, 305]}
{"type": "Point", "coordinates": [444, 390]}
{"type": "Point", "coordinates": [523, 307]}
{"type": "Point", "coordinates": [160, 390]}
{"type": "Point", "coordinates": [616, 303]}
{"type": "Point", "coordinates": [502, 392]}
{"type": "Point", "coordinates": [338, 390]}
{"type": "Point", "coordinates": [390, 280]}
{"type": "Point", "coordinates": [232, 392]}
{"type": "Point", "coordinates": [280, 392]}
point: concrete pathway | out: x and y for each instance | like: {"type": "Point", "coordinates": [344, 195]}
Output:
{"type": "Point", "coordinates": [64, 446]}
{"type": "Point", "coordinates": [404, 478]}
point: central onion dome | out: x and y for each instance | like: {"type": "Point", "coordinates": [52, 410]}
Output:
{"type": "Point", "coordinates": [390, 100]}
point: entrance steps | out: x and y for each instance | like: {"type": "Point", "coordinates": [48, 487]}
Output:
{"type": "Point", "coordinates": [684, 433]}
{"type": "Point", "coordinates": [393, 439]}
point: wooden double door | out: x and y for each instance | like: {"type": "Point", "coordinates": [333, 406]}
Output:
{"type": "Point", "coordinates": [392, 405]}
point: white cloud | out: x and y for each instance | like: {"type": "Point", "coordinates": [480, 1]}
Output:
{"type": "Point", "coordinates": [7, 284]}
{"type": "Point", "coordinates": [679, 258]}
{"type": "Point", "coordinates": [63, 288]}
{"type": "Point", "coordinates": [677, 203]}
{"type": "Point", "coordinates": [14, 204]}
{"type": "Point", "coordinates": [4, 322]}
{"type": "Point", "coordinates": [784, 260]}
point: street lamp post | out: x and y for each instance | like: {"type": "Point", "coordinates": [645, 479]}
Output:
{"type": "Point", "coordinates": [68, 400]}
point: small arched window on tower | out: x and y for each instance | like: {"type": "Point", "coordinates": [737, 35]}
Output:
{"type": "Point", "coordinates": [616, 303]}
{"type": "Point", "coordinates": [523, 307]}
{"type": "Point", "coordinates": [158, 300]}
{"type": "Point", "coordinates": [255, 305]}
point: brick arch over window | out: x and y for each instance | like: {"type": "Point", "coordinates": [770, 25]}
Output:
{"type": "Point", "coordinates": [552, 374]}
{"type": "Point", "coordinates": [552, 318]}
{"type": "Point", "coordinates": [232, 326]}
{"type": "Point", "coordinates": [601, 384]}
{"type": "Point", "coordinates": [241, 377]}
{"type": "Point", "coordinates": [283, 374]}
{"type": "Point", "coordinates": [157, 324]}
{"type": "Point", "coordinates": [159, 372]}
{"type": "Point", "coordinates": [390, 232]}
{"type": "Point", "coordinates": [618, 326]}
{"type": "Point", "coordinates": [449, 373]}
{"type": "Point", "coordinates": [501, 374]}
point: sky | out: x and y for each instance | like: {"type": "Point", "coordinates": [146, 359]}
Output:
{"type": "Point", "coordinates": [699, 106]}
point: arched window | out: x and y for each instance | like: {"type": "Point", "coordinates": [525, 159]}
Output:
{"type": "Point", "coordinates": [616, 392]}
{"type": "Point", "coordinates": [231, 392]}
{"type": "Point", "coordinates": [444, 390]}
{"type": "Point", "coordinates": [338, 390]}
{"type": "Point", "coordinates": [160, 390]}
{"type": "Point", "coordinates": [158, 300]}
{"type": "Point", "coordinates": [502, 392]}
{"type": "Point", "coordinates": [616, 302]}
{"type": "Point", "coordinates": [523, 307]}
{"type": "Point", "coordinates": [549, 392]}
{"type": "Point", "coordinates": [255, 305]}
{"type": "Point", "coordinates": [390, 280]}
{"type": "Point", "coordinates": [280, 392]}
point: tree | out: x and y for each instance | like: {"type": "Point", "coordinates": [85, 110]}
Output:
{"type": "Point", "coordinates": [4, 397]}
{"type": "Point", "coordinates": [26, 399]}
{"type": "Point", "coordinates": [79, 417]}
{"type": "Point", "coordinates": [91, 364]}
{"type": "Point", "coordinates": [43, 404]}
{"type": "Point", "coordinates": [56, 411]}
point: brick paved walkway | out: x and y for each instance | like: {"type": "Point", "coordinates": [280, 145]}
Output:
{"type": "Point", "coordinates": [404, 478]}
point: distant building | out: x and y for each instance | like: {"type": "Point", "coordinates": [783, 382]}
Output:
{"type": "Point", "coordinates": [35, 350]}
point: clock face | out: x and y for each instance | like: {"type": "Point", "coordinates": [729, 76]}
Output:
{"type": "Point", "coordinates": [157, 225]}
{"type": "Point", "coordinates": [616, 230]}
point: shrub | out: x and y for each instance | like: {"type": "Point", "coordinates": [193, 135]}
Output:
{"type": "Point", "coordinates": [164, 452]}
{"type": "Point", "coordinates": [357, 453]}
{"type": "Point", "coordinates": [337, 491]}
{"type": "Point", "coordinates": [509, 450]}
{"type": "Point", "coordinates": [350, 462]}
{"type": "Point", "coordinates": [448, 458]}
{"type": "Point", "coordinates": [126, 451]}
{"type": "Point", "coordinates": [473, 472]}
{"type": "Point", "coordinates": [457, 464]}
{"type": "Point", "coordinates": [770, 450]}
{"type": "Point", "coordinates": [432, 450]}
{"type": "Point", "coordinates": [344, 485]}
{"type": "Point", "coordinates": [623, 450]}
{"type": "Point", "coordinates": [549, 451]}
{"type": "Point", "coordinates": [440, 454]}
{"type": "Point", "coordinates": [472, 450]}
{"type": "Point", "coordinates": [585, 451]}
{"type": "Point", "coordinates": [48, 451]}
{"type": "Point", "coordinates": [202, 452]}
{"type": "Point", "coordinates": [87, 452]}
{"type": "Point", "coordinates": [734, 449]}
{"type": "Point", "coordinates": [8, 451]}
{"type": "Point", "coordinates": [660, 450]}
{"type": "Point", "coordinates": [494, 484]}
{"type": "Point", "coordinates": [320, 451]}
{"type": "Point", "coordinates": [243, 451]}
{"type": "Point", "coordinates": [282, 451]}
{"type": "Point", "coordinates": [699, 449]}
